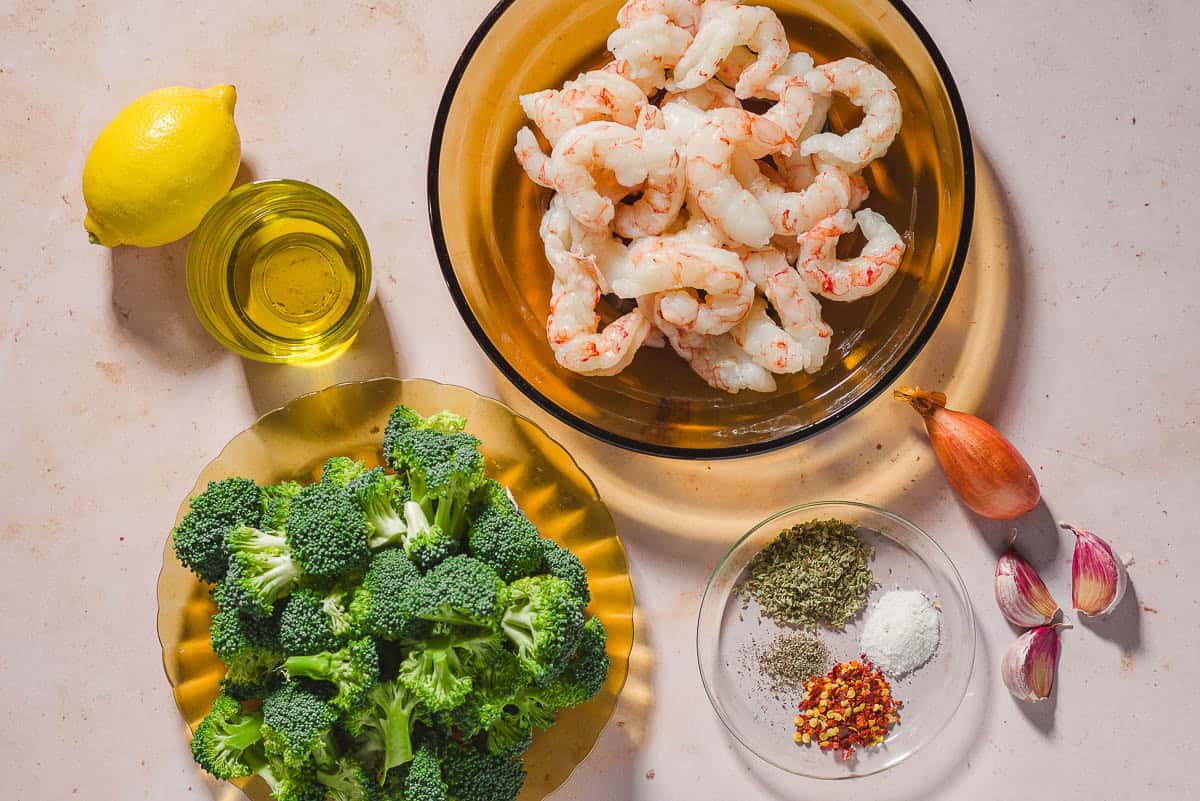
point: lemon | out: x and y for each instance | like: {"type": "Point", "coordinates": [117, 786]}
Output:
{"type": "Point", "coordinates": [161, 163]}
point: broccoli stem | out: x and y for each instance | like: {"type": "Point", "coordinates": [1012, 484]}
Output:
{"type": "Point", "coordinates": [397, 734]}
{"type": "Point", "coordinates": [314, 666]}
{"type": "Point", "coordinates": [243, 734]}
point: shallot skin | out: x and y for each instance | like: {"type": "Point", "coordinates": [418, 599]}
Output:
{"type": "Point", "coordinates": [984, 469]}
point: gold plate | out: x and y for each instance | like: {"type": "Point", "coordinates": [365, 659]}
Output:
{"type": "Point", "coordinates": [485, 212]}
{"type": "Point", "coordinates": [348, 419]}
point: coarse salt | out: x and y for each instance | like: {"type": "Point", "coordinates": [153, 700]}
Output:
{"type": "Point", "coordinates": [901, 632]}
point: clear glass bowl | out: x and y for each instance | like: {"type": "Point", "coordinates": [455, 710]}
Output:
{"type": "Point", "coordinates": [293, 442]}
{"type": "Point", "coordinates": [484, 213]}
{"type": "Point", "coordinates": [727, 632]}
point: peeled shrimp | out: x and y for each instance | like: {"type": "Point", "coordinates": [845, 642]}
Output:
{"type": "Point", "coordinates": [793, 213]}
{"type": "Point", "coordinates": [769, 346]}
{"type": "Point", "coordinates": [684, 113]}
{"type": "Point", "coordinates": [864, 86]}
{"type": "Point", "coordinates": [850, 279]}
{"type": "Point", "coordinates": [727, 27]}
{"type": "Point", "coordinates": [663, 192]}
{"type": "Point", "coordinates": [584, 151]}
{"type": "Point", "coordinates": [572, 322]}
{"type": "Point", "coordinates": [533, 159]}
{"type": "Point", "coordinates": [799, 312]}
{"type": "Point", "coordinates": [595, 95]}
{"type": "Point", "coordinates": [716, 359]}
{"type": "Point", "coordinates": [649, 46]}
{"type": "Point", "coordinates": [712, 187]}
{"type": "Point", "coordinates": [681, 13]}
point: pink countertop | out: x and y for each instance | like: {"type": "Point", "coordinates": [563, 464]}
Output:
{"type": "Point", "coordinates": [1075, 331]}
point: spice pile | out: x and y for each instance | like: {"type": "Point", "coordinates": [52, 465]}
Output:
{"type": "Point", "coordinates": [901, 632]}
{"type": "Point", "coordinates": [790, 661]}
{"type": "Point", "coordinates": [815, 572]}
{"type": "Point", "coordinates": [849, 707]}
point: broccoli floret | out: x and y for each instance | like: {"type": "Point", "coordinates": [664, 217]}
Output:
{"type": "Point", "coordinates": [560, 562]}
{"type": "Point", "coordinates": [382, 498]}
{"type": "Point", "coordinates": [341, 470]}
{"type": "Point", "coordinates": [423, 780]}
{"type": "Point", "coordinates": [353, 670]}
{"type": "Point", "coordinates": [297, 726]}
{"type": "Point", "coordinates": [304, 625]}
{"type": "Point", "coordinates": [327, 532]}
{"type": "Point", "coordinates": [404, 419]}
{"type": "Point", "coordinates": [223, 737]}
{"type": "Point", "coordinates": [439, 669]}
{"type": "Point", "coordinates": [277, 500]}
{"type": "Point", "coordinates": [248, 646]}
{"type": "Point", "coordinates": [261, 567]}
{"type": "Point", "coordinates": [384, 723]}
{"type": "Point", "coordinates": [498, 680]}
{"type": "Point", "coordinates": [459, 591]}
{"type": "Point", "coordinates": [587, 671]}
{"type": "Point", "coordinates": [199, 539]}
{"type": "Point", "coordinates": [543, 621]}
{"type": "Point", "coordinates": [509, 737]}
{"type": "Point", "coordinates": [472, 775]}
{"type": "Point", "coordinates": [349, 781]}
{"type": "Point", "coordinates": [382, 603]}
{"type": "Point", "coordinates": [425, 543]}
{"type": "Point", "coordinates": [286, 782]}
{"type": "Point", "coordinates": [506, 540]}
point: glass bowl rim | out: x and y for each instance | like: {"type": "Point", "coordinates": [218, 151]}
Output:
{"type": "Point", "coordinates": [168, 552]}
{"type": "Point", "coordinates": [904, 522]}
{"type": "Point", "coordinates": [671, 451]}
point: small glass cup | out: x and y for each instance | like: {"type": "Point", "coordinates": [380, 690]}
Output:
{"type": "Point", "coordinates": [279, 271]}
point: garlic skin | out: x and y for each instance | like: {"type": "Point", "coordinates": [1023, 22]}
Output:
{"type": "Point", "coordinates": [1098, 576]}
{"type": "Point", "coordinates": [989, 475]}
{"type": "Point", "coordinates": [1021, 594]}
{"type": "Point", "coordinates": [1029, 663]}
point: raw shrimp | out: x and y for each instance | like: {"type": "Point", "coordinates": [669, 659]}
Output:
{"type": "Point", "coordinates": [532, 158]}
{"type": "Point", "coordinates": [684, 113]}
{"type": "Point", "coordinates": [712, 187]}
{"type": "Point", "coordinates": [868, 88]}
{"type": "Point", "coordinates": [649, 46]}
{"type": "Point", "coordinates": [572, 322]}
{"type": "Point", "coordinates": [799, 312]}
{"type": "Point", "coordinates": [584, 151]}
{"type": "Point", "coordinates": [719, 33]}
{"type": "Point", "coordinates": [663, 193]}
{"type": "Point", "coordinates": [595, 95]}
{"type": "Point", "coordinates": [850, 279]}
{"type": "Point", "coordinates": [793, 213]}
{"type": "Point", "coordinates": [661, 264]}
{"type": "Point", "coordinates": [738, 60]}
{"type": "Point", "coordinates": [716, 359]}
{"type": "Point", "coordinates": [773, 348]}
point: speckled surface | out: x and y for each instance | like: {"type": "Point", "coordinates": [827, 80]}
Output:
{"type": "Point", "coordinates": [1075, 331]}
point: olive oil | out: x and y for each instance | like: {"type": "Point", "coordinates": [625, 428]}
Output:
{"type": "Point", "coordinates": [279, 271]}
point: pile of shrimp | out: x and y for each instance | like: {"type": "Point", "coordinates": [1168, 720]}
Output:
{"type": "Point", "coordinates": [715, 227]}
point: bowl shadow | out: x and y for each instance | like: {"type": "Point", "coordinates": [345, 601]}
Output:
{"type": "Point", "coordinates": [880, 455]}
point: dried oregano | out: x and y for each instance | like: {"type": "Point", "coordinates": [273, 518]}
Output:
{"type": "Point", "coordinates": [814, 572]}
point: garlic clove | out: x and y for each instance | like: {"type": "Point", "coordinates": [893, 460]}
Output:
{"type": "Point", "coordinates": [1029, 663]}
{"type": "Point", "coordinates": [1021, 594]}
{"type": "Point", "coordinates": [1098, 576]}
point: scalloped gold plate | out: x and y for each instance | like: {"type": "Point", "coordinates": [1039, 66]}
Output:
{"type": "Point", "coordinates": [348, 419]}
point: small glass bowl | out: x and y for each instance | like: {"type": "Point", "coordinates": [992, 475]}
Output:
{"type": "Point", "coordinates": [729, 632]}
{"type": "Point", "coordinates": [280, 271]}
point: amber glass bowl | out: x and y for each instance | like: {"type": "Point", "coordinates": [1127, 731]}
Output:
{"type": "Point", "coordinates": [484, 213]}
{"type": "Point", "coordinates": [294, 441]}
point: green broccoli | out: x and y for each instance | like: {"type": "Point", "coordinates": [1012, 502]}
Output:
{"type": "Point", "coordinates": [587, 671]}
{"type": "Point", "coordinates": [423, 780]}
{"type": "Point", "coordinates": [384, 723]}
{"type": "Point", "coordinates": [305, 626]}
{"type": "Point", "coordinates": [382, 604]}
{"type": "Point", "coordinates": [505, 539]}
{"type": "Point", "coordinates": [353, 670]}
{"type": "Point", "coordinates": [261, 567]}
{"type": "Point", "coordinates": [297, 726]}
{"type": "Point", "coordinates": [404, 419]}
{"type": "Point", "coordinates": [472, 775]}
{"type": "Point", "coordinates": [382, 498]}
{"type": "Point", "coordinates": [509, 736]}
{"type": "Point", "coordinates": [341, 470]}
{"type": "Point", "coordinates": [286, 782]}
{"type": "Point", "coordinates": [349, 781]}
{"type": "Point", "coordinates": [498, 680]}
{"type": "Point", "coordinates": [277, 500]}
{"type": "Point", "coordinates": [327, 532]}
{"type": "Point", "coordinates": [560, 562]}
{"type": "Point", "coordinates": [199, 539]}
{"type": "Point", "coordinates": [425, 543]}
{"type": "Point", "coordinates": [223, 737]}
{"type": "Point", "coordinates": [459, 591]}
{"type": "Point", "coordinates": [248, 645]}
{"type": "Point", "coordinates": [543, 620]}
{"type": "Point", "coordinates": [439, 669]}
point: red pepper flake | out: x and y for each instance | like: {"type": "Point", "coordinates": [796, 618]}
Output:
{"type": "Point", "coordinates": [849, 707]}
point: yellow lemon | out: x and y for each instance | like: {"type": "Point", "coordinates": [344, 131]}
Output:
{"type": "Point", "coordinates": [161, 163]}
